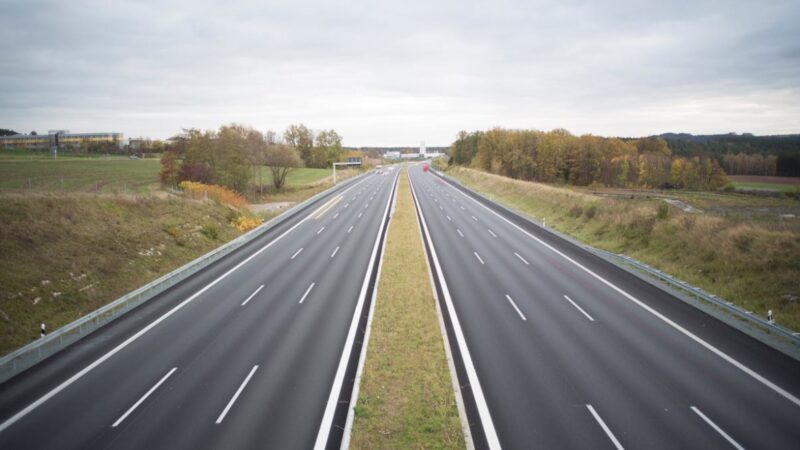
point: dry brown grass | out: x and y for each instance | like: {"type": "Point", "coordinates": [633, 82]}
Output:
{"type": "Point", "coordinates": [406, 398]}
{"type": "Point", "coordinates": [754, 263]}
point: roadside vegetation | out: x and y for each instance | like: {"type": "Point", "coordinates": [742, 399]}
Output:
{"type": "Point", "coordinates": [559, 157]}
{"type": "Point", "coordinates": [62, 257]}
{"type": "Point", "coordinates": [406, 399]}
{"type": "Point", "coordinates": [78, 231]}
{"type": "Point", "coordinates": [745, 249]}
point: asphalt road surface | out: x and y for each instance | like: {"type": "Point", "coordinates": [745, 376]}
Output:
{"type": "Point", "coordinates": [557, 348]}
{"type": "Point", "coordinates": [252, 352]}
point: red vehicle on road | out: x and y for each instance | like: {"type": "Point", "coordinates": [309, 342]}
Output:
{"type": "Point", "coordinates": [424, 167]}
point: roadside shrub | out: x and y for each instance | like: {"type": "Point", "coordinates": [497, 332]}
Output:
{"type": "Point", "coordinates": [591, 211]}
{"type": "Point", "coordinates": [243, 223]}
{"type": "Point", "coordinates": [576, 211]}
{"type": "Point", "coordinates": [743, 241]}
{"type": "Point", "coordinates": [214, 192]}
{"type": "Point", "coordinates": [641, 226]}
{"type": "Point", "coordinates": [201, 173]}
{"type": "Point", "coordinates": [172, 231]}
{"type": "Point", "coordinates": [663, 211]}
{"type": "Point", "coordinates": [210, 231]}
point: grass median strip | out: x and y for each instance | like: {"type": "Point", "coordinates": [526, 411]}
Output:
{"type": "Point", "coordinates": [406, 398]}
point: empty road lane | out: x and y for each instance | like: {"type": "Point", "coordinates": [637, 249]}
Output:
{"type": "Point", "coordinates": [560, 349]}
{"type": "Point", "coordinates": [253, 352]}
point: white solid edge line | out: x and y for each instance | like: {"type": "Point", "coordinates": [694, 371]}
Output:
{"type": "Point", "coordinates": [579, 308]}
{"type": "Point", "coordinates": [782, 392]}
{"type": "Point", "coordinates": [235, 396]}
{"type": "Point", "coordinates": [522, 259]}
{"type": "Point", "coordinates": [462, 411]}
{"type": "Point", "coordinates": [478, 256]}
{"type": "Point", "coordinates": [605, 427]}
{"type": "Point", "coordinates": [472, 375]}
{"type": "Point", "coordinates": [334, 251]}
{"type": "Point", "coordinates": [252, 295]}
{"type": "Point", "coordinates": [515, 307]}
{"type": "Point", "coordinates": [336, 387]}
{"type": "Point", "coordinates": [296, 253]}
{"type": "Point", "coordinates": [13, 419]}
{"type": "Point", "coordinates": [717, 429]}
{"type": "Point", "coordinates": [348, 424]}
{"type": "Point", "coordinates": [143, 398]}
{"type": "Point", "coordinates": [311, 286]}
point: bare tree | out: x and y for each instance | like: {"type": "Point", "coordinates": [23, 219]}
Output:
{"type": "Point", "coordinates": [281, 160]}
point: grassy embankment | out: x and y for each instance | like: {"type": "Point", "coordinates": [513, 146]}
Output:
{"type": "Point", "coordinates": [65, 250]}
{"type": "Point", "coordinates": [62, 257]}
{"type": "Point", "coordinates": [738, 248]}
{"type": "Point", "coordinates": [406, 398]}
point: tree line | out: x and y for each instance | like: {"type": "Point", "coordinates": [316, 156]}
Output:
{"type": "Point", "coordinates": [783, 150]}
{"type": "Point", "coordinates": [232, 155]}
{"type": "Point", "coordinates": [559, 157]}
{"type": "Point", "coordinates": [753, 164]}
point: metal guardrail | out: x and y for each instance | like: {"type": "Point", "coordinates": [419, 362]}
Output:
{"type": "Point", "coordinates": [699, 293]}
{"type": "Point", "coordinates": [675, 283]}
{"type": "Point", "coordinates": [38, 350]}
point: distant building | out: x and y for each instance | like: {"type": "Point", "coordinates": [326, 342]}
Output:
{"type": "Point", "coordinates": [58, 140]}
{"type": "Point", "coordinates": [423, 153]}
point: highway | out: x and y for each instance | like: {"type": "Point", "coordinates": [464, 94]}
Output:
{"type": "Point", "coordinates": [255, 351]}
{"type": "Point", "coordinates": [557, 348]}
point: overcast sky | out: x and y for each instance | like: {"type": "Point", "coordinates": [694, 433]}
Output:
{"type": "Point", "coordinates": [397, 73]}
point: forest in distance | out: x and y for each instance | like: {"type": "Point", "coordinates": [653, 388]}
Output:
{"type": "Point", "coordinates": [654, 162]}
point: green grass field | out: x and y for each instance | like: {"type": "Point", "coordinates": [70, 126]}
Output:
{"type": "Point", "coordinates": [25, 171]}
{"type": "Point", "coordinates": [780, 187]}
{"type": "Point", "coordinates": [297, 177]}
{"type": "Point", "coordinates": [76, 174]}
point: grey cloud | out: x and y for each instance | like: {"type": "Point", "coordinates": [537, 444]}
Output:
{"type": "Point", "coordinates": [397, 73]}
